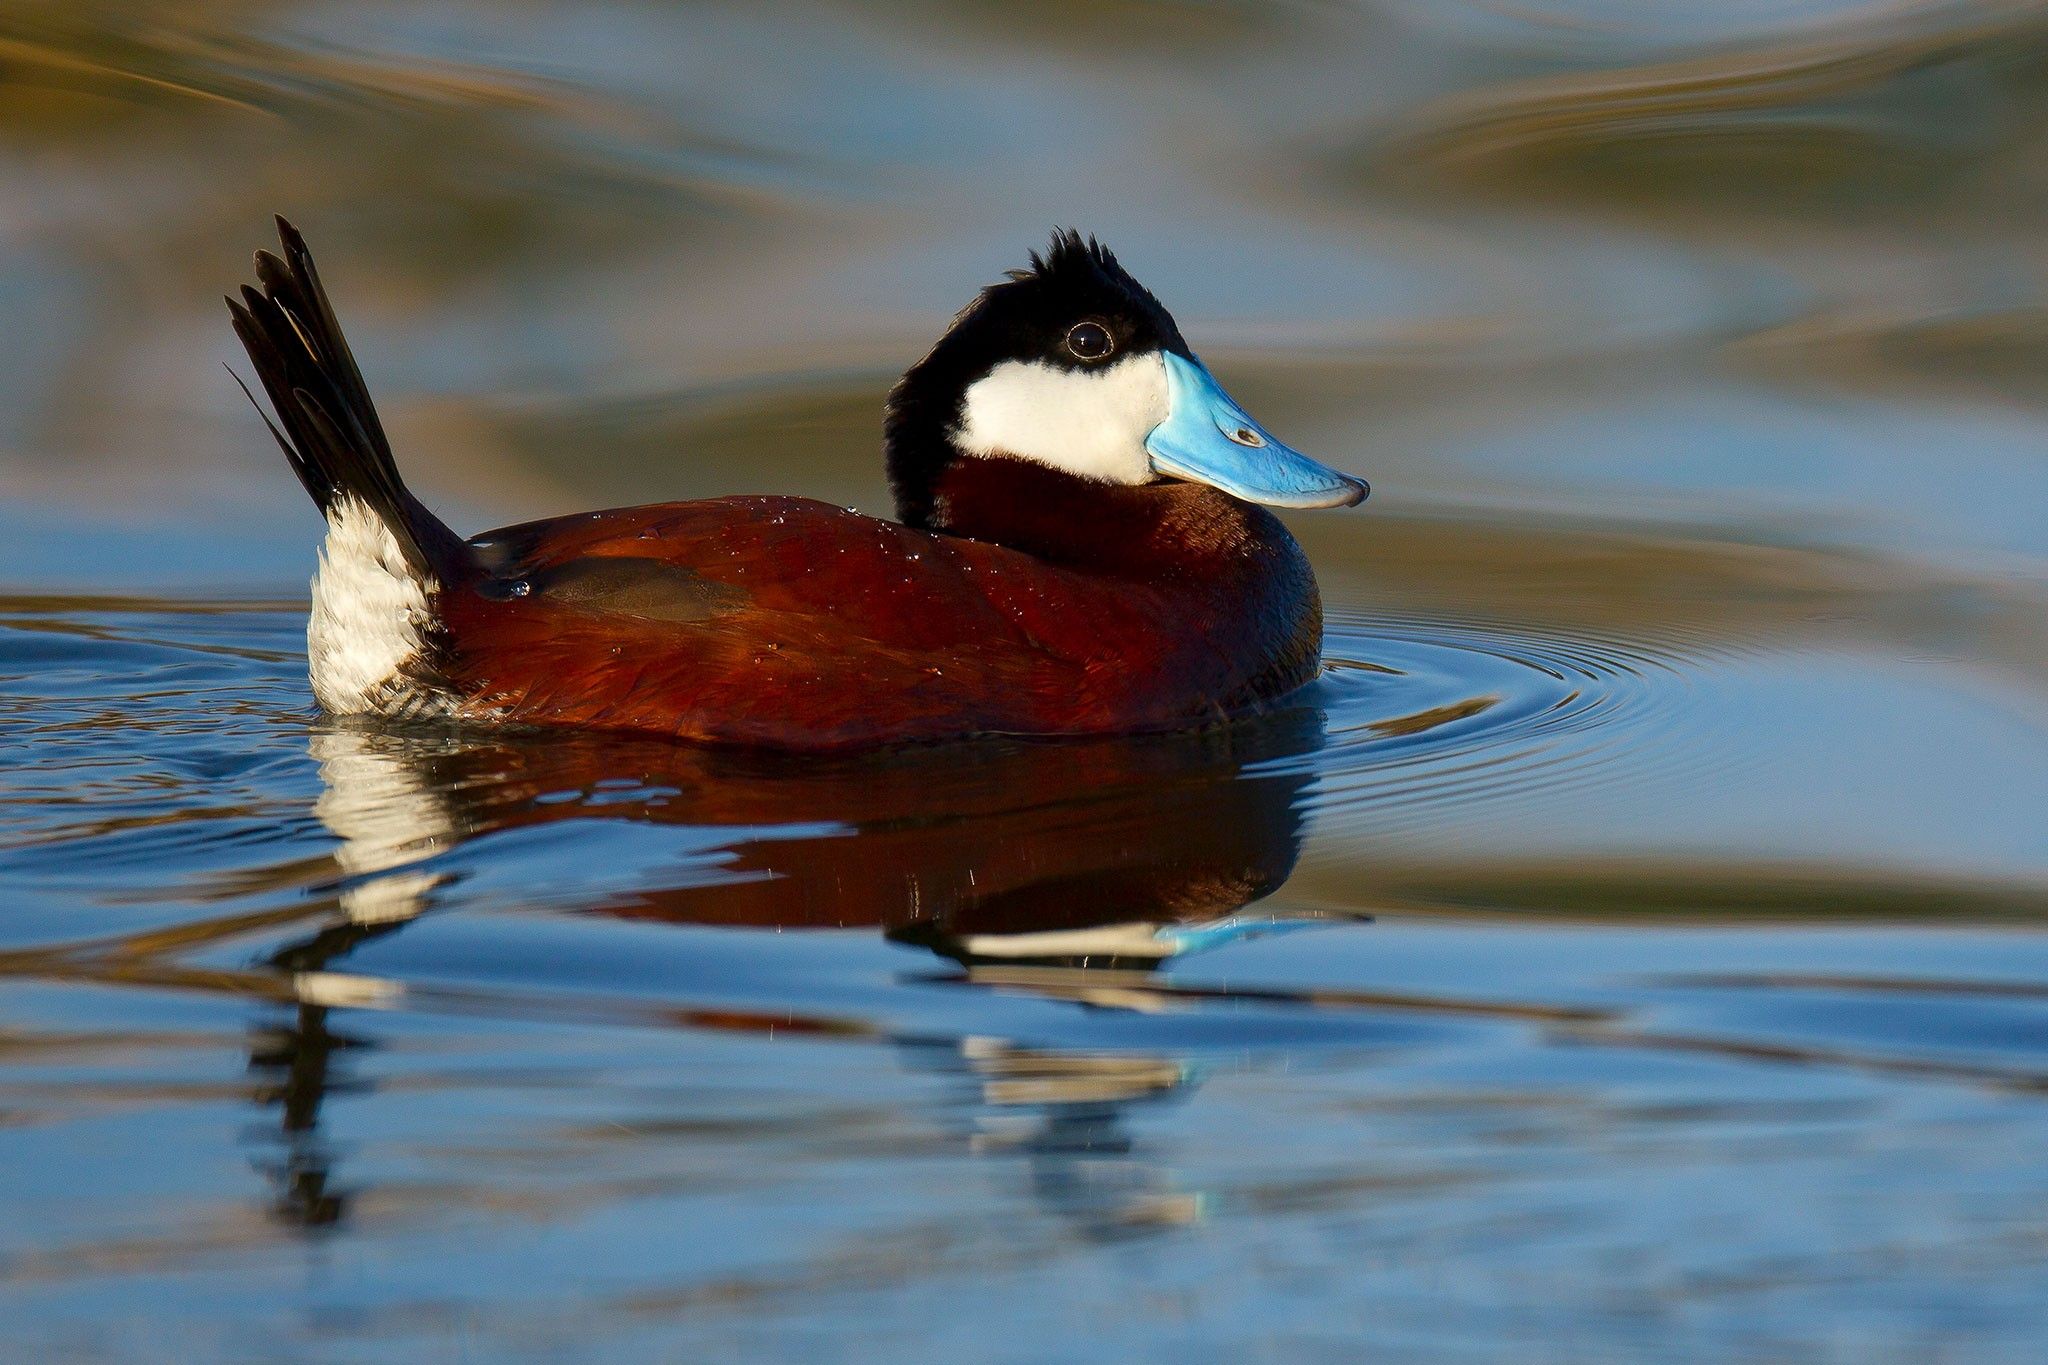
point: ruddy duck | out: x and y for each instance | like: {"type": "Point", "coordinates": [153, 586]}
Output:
{"type": "Point", "coordinates": [1078, 550]}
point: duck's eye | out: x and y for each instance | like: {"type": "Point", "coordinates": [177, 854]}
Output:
{"type": "Point", "coordinates": [1089, 341]}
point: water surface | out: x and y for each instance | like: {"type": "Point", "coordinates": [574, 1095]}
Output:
{"type": "Point", "coordinates": [1629, 949]}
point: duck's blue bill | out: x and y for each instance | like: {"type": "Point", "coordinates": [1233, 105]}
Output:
{"type": "Point", "coordinates": [1208, 438]}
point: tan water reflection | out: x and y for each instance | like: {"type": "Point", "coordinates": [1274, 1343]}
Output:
{"type": "Point", "coordinates": [1930, 105]}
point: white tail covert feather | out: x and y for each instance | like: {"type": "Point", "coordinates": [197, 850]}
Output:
{"type": "Point", "coordinates": [371, 614]}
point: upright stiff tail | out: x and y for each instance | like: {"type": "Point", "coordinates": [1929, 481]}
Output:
{"type": "Point", "coordinates": [330, 431]}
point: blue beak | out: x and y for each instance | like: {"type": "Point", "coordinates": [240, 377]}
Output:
{"type": "Point", "coordinates": [1208, 438]}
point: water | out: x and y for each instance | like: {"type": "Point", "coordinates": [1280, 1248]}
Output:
{"type": "Point", "coordinates": [1630, 949]}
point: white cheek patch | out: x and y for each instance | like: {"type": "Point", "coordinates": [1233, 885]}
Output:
{"type": "Point", "coordinates": [1091, 423]}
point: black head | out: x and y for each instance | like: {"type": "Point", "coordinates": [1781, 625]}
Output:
{"type": "Point", "coordinates": [1073, 311]}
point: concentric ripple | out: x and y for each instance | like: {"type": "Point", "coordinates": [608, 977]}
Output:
{"type": "Point", "coordinates": [1424, 713]}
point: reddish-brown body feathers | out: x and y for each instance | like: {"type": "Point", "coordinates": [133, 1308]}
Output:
{"type": "Point", "coordinates": [795, 624]}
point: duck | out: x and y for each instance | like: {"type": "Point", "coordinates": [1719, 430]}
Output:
{"type": "Point", "coordinates": [1082, 546]}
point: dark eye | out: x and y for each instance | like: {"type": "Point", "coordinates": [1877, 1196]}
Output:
{"type": "Point", "coordinates": [1090, 341]}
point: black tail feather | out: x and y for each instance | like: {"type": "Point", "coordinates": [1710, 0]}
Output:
{"type": "Point", "coordinates": [326, 424]}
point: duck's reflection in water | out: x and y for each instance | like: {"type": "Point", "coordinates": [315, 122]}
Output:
{"type": "Point", "coordinates": [1064, 1113]}
{"type": "Point", "coordinates": [1067, 871]}
{"type": "Point", "coordinates": [297, 1054]}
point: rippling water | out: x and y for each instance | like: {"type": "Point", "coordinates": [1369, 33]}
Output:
{"type": "Point", "coordinates": [1629, 949]}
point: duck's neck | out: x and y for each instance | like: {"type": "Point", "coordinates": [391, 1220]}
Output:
{"type": "Point", "coordinates": [1108, 528]}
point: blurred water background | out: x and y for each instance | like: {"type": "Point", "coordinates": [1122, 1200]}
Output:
{"type": "Point", "coordinates": [1631, 949]}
